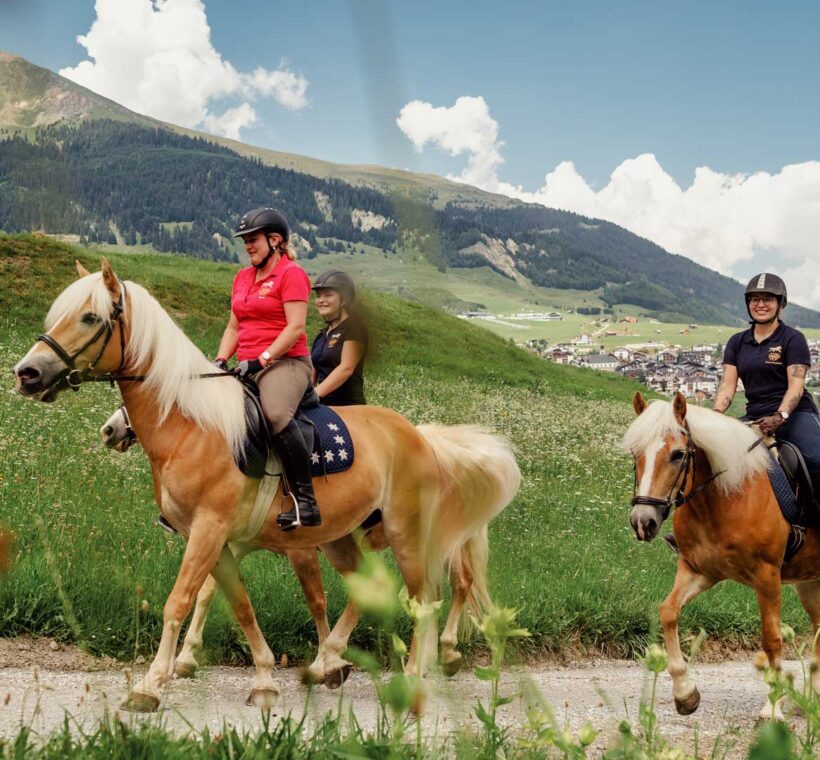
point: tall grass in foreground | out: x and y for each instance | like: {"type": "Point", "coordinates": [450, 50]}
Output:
{"type": "Point", "coordinates": [398, 734]}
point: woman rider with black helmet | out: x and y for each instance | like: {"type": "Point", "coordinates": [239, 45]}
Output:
{"type": "Point", "coordinates": [338, 351]}
{"type": "Point", "coordinates": [266, 329]}
{"type": "Point", "coordinates": [772, 360]}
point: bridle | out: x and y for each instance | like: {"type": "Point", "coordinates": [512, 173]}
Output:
{"type": "Point", "coordinates": [677, 492]}
{"type": "Point", "coordinates": [73, 378]}
{"type": "Point", "coordinates": [130, 433]}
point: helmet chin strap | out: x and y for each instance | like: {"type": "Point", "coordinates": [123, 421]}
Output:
{"type": "Point", "coordinates": [271, 250]}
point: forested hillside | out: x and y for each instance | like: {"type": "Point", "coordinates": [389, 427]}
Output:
{"type": "Point", "coordinates": [114, 182]}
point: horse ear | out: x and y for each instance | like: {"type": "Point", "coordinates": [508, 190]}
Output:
{"type": "Point", "coordinates": [639, 403]}
{"type": "Point", "coordinates": [81, 270]}
{"type": "Point", "coordinates": [679, 407]}
{"type": "Point", "coordinates": [111, 281]}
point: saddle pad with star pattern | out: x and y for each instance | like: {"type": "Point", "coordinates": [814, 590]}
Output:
{"type": "Point", "coordinates": [332, 445]}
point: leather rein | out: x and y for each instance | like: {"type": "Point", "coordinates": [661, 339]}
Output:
{"type": "Point", "coordinates": [677, 492]}
{"type": "Point", "coordinates": [73, 378]}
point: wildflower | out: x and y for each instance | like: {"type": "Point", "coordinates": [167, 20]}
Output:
{"type": "Point", "coordinates": [372, 588]}
{"type": "Point", "coordinates": [655, 659]}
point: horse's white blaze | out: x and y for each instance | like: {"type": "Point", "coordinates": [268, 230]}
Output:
{"type": "Point", "coordinates": [649, 467]}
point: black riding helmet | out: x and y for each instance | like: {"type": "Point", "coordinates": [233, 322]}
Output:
{"type": "Point", "coordinates": [341, 282]}
{"type": "Point", "coordinates": [263, 220]}
{"type": "Point", "coordinates": [767, 283]}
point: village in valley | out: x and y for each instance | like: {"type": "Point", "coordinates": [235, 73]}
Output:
{"type": "Point", "coordinates": [693, 368]}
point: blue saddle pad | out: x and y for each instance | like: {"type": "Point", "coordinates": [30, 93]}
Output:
{"type": "Point", "coordinates": [332, 444]}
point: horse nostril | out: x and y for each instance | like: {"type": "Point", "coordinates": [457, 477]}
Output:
{"type": "Point", "coordinates": [29, 375]}
{"type": "Point", "coordinates": [649, 527]}
{"type": "Point", "coordinates": [108, 431]}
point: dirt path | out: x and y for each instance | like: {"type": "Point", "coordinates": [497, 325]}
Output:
{"type": "Point", "coordinates": [602, 692]}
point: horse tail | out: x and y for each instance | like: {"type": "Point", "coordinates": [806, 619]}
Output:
{"type": "Point", "coordinates": [478, 477]}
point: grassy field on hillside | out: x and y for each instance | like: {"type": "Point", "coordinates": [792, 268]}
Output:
{"type": "Point", "coordinates": [563, 552]}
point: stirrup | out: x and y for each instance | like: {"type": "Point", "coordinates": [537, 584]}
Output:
{"type": "Point", "coordinates": [285, 521]}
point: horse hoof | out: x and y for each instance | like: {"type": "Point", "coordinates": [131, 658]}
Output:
{"type": "Point", "coordinates": [312, 676]}
{"type": "Point", "coordinates": [185, 669]}
{"type": "Point", "coordinates": [262, 698]}
{"type": "Point", "coordinates": [139, 702]}
{"type": "Point", "coordinates": [335, 678]}
{"type": "Point", "coordinates": [452, 665]}
{"type": "Point", "coordinates": [689, 704]}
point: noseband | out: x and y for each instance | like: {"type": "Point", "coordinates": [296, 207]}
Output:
{"type": "Point", "coordinates": [130, 434]}
{"type": "Point", "coordinates": [676, 495]}
{"type": "Point", "coordinates": [73, 378]}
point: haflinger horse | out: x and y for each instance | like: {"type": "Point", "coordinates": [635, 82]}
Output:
{"type": "Point", "coordinates": [437, 486]}
{"type": "Point", "coordinates": [118, 435]}
{"type": "Point", "coordinates": [727, 523]}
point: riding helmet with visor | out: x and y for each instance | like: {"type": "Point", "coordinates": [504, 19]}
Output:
{"type": "Point", "coordinates": [267, 220]}
{"type": "Point", "coordinates": [769, 284]}
{"type": "Point", "coordinates": [341, 282]}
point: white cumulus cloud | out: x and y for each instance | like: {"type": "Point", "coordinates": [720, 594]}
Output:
{"type": "Point", "coordinates": [730, 223]}
{"type": "Point", "coordinates": [156, 58]}
{"type": "Point", "coordinates": [464, 127]}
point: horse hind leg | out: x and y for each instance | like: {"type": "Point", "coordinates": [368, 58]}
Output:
{"type": "Point", "coordinates": [768, 589]}
{"type": "Point", "coordinates": [461, 581]}
{"type": "Point", "coordinates": [330, 667]}
{"type": "Point", "coordinates": [688, 584]}
{"type": "Point", "coordinates": [809, 594]}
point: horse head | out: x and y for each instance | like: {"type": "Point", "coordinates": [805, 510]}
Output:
{"type": "Point", "coordinates": [78, 341]}
{"type": "Point", "coordinates": [660, 467]}
{"type": "Point", "coordinates": [117, 432]}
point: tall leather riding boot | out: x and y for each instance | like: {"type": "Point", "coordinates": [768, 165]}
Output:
{"type": "Point", "coordinates": [295, 458]}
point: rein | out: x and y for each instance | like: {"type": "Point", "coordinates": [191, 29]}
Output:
{"type": "Point", "coordinates": [688, 464]}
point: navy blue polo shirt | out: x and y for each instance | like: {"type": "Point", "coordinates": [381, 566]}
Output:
{"type": "Point", "coordinates": [762, 367]}
{"type": "Point", "coordinates": [326, 355]}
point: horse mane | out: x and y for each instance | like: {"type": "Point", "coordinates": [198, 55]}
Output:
{"type": "Point", "coordinates": [724, 440]}
{"type": "Point", "coordinates": [171, 358]}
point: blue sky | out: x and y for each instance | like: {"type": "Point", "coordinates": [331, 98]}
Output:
{"type": "Point", "coordinates": [732, 86]}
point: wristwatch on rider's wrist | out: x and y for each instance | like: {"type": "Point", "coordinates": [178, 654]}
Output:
{"type": "Point", "coordinates": [266, 358]}
{"type": "Point", "coordinates": [784, 415]}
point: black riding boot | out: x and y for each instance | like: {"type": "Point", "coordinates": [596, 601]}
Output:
{"type": "Point", "coordinates": [295, 458]}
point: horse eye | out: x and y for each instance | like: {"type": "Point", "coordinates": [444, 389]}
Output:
{"type": "Point", "coordinates": [676, 455]}
{"type": "Point", "coordinates": [90, 319]}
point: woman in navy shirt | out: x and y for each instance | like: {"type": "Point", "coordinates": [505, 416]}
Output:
{"type": "Point", "coordinates": [338, 351]}
{"type": "Point", "coordinates": [772, 359]}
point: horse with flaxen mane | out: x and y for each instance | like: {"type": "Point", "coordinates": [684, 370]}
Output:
{"type": "Point", "coordinates": [728, 524]}
{"type": "Point", "coordinates": [437, 487]}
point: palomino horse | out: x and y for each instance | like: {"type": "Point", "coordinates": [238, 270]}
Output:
{"type": "Point", "coordinates": [437, 487]}
{"type": "Point", "coordinates": [343, 554]}
{"type": "Point", "coordinates": [728, 524]}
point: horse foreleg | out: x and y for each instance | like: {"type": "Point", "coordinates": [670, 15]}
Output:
{"type": "Point", "coordinates": [186, 663]}
{"type": "Point", "coordinates": [809, 594]}
{"type": "Point", "coordinates": [461, 580]}
{"type": "Point", "coordinates": [688, 584]}
{"type": "Point", "coordinates": [227, 576]}
{"type": "Point", "coordinates": [201, 554]}
{"type": "Point", "coordinates": [768, 589]}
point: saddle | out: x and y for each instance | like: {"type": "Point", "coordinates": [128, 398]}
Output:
{"type": "Point", "coordinates": [256, 448]}
{"type": "Point", "coordinates": [800, 481]}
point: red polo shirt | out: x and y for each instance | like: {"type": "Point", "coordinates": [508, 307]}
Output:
{"type": "Point", "coordinates": [260, 307]}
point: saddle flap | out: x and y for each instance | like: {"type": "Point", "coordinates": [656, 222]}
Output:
{"type": "Point", "coordinates": [255, 449]}
{"type": "Point", "coordinates": [797, 473]}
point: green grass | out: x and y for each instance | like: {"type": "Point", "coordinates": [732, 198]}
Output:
{"type": "Point", "coordinates": [563, 552]}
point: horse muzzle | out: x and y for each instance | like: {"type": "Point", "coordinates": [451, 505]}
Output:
{"type": "Point", "coordinates": [646, 521]}
{"type": "Point", "coordinates": [35, 382]}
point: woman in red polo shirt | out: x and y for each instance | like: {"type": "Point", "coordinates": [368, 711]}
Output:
{"type": "Point", "coordinates": [266, 330]}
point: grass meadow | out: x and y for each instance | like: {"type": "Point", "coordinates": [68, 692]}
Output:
{"type": "Point", "coordinates": [88, 551]}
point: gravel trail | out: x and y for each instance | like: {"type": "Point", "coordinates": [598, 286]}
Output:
{"type": "Point", "coordinates": [603, 692]}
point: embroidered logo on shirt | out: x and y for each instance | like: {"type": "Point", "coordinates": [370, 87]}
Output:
{"type": "Point", "coordinates": [334, 339]}
{"type": "Point", "coordinates": [265, 289]}
{"type": "Point", "coordinates": [775, 355]}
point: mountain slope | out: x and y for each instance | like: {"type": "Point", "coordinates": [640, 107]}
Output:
{"type": "Point", "coordinates": [107, 175]}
